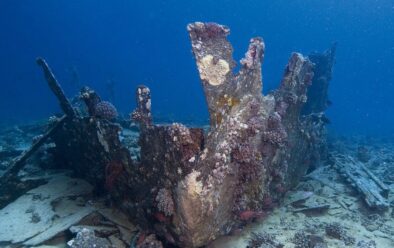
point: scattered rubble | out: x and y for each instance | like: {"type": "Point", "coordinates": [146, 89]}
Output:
{"type": "Point", "coordinates": [303, 240]}
{"type": "Point", "coordinates": [337, 231]}
{"type": "Point", "coordinates": [263, 239]}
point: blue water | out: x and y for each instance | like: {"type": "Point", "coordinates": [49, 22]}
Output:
{"type": "Point", "coordinates": [145, 42]}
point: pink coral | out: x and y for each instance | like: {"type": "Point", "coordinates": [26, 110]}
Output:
{"type": "Point", "coordinates": [164, 202]}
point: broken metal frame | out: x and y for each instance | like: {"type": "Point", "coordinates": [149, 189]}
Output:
{"type": "Point", "coordinates": [374, 191]}
{"type": "Point", "coordinates": [17, 165]}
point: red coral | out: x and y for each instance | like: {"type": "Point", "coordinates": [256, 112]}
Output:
{"type": "Point", "coordinates": [208, 30]}
{"type": "Point", "coordinates": [213, 29]}
{"type": "Point", "coordinates": [161, 217]}
{"type": "Point", "coordinates": [112, 172]}
{"type": "Point", "coordinates": [250, 215]}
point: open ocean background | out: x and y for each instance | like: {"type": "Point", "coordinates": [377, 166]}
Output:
{"type": "Point", "coordinates": [146, 42]}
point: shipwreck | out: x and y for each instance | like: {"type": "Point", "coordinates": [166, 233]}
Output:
{"type": "Point", "coordinates": [191, 186]}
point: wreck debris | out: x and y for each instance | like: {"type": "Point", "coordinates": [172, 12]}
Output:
{"type": "Point", "coordinates": [35, 216]}
{"type": "Point", "coordinates": [143, 112]}
{"type": "Point", "coordinates": [318, 92]}
{"type": "Point", "coordinates": [90, 98]}
{"type": "Point", "coordinates": [298, 196]}
{"type": "Point", "coordinates": [10, 185]}
{"type": "Point", "coordinates": [186, 149]}
{"type": "Point", "coordinates": [313, 208]}
{"type": "Point", "coordinates": [97, 107]}
{"type": "Point", "coordinates": [59, 208]}
{"type": "Point", "coordinates": [56, 89]}
{"type": "Point", "coordinates": [374, 191]}
{"type": "Point", "coordinates": [88, 144]}
{"type": "Point", "coordinates": [369, 227]}
{"type": "Point", "coordinates": [190, 188]}
{"type": "Point", "coordinates": [13, 169]}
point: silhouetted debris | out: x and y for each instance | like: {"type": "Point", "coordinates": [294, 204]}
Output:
{"type": "Point", "coordinates": [56, 89]}
{"type": "Point", "coordinates": [318, 92]}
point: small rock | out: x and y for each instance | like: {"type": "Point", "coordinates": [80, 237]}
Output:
{"type": "Point", "coordinates": [365, 244]}
{"type": "Point", "coordinates": [150, 242]}
{"type": "Point", "coordinates": [86, 239]}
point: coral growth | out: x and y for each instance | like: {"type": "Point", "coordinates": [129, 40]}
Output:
{"type": "Point", "coordinates": [192, 183]}
{"type": "Point", "coordinates": [105, 110]}
{"type": "Point", "coordinates": [337, 231]}
{"type": "Point", "coordinates": [263, 239]}
{"type": "Point", "coordinates": [165, 203]}
{"type": "Point", "coordinates": [190, 187]}
{"type": "Point", "coordinates": [303, 240]}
